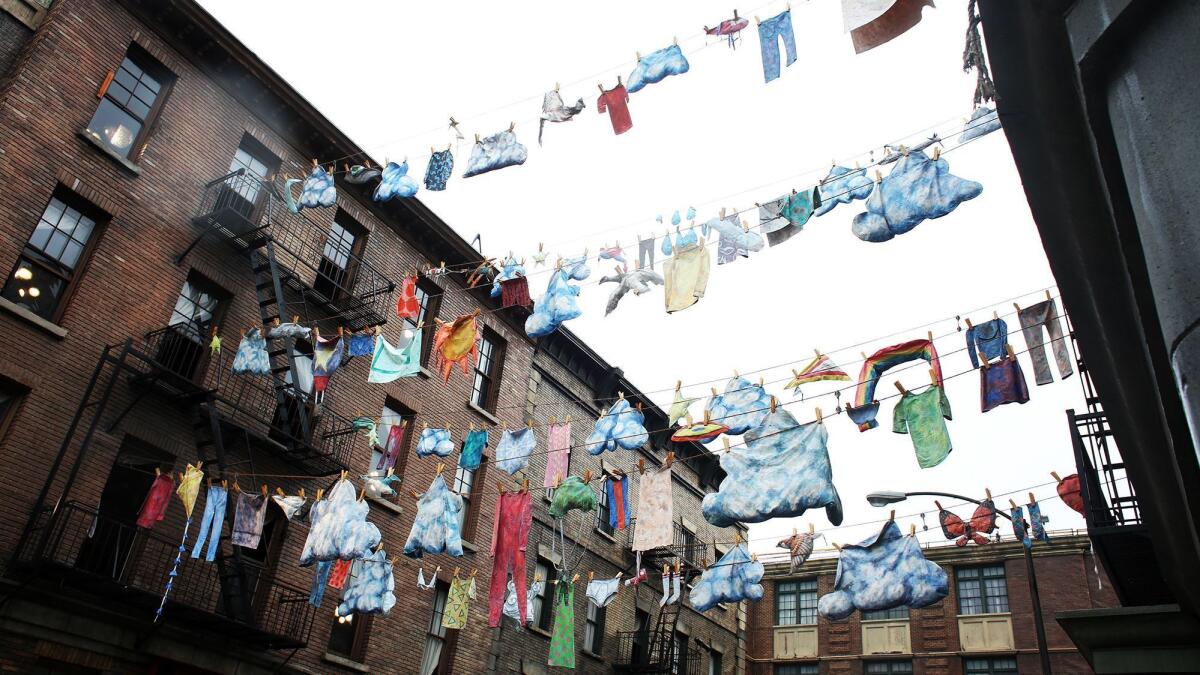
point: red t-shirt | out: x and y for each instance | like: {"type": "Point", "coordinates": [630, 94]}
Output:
{"type": "Point", "coordinates": [616, 102]}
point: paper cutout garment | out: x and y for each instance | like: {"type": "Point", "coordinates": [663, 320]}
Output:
{"type": "Point", "coordinates": [923, 417]}
{"type": "Point", "coordinates": [842, 185]}
{"type": "Point", "coordinates": [820, 369]}
{"type": "Point", "coordinates": [616, 491]}
{"type": "Point", "coordinates": [251, 357]}
{"type": "Point", "coordinates": [373, 588]}
{"type": "Point", "coordinates": [435, 442]}
{"type": "Point", "coordinates": [189, 488]}
{"type": "Point", "coordinates": [918, 188]}
{"type": "Point", "coordinates": [407, 305]}
{"type": "Point", "coordinates": [874, 22]}
{"type": "Point", "coordinates": [294, 507]}
{"type": "Point", "coordinates": [886, 570]}
{"type": "Point", "coordinates": [327, 357]}
{"type": "Point", "coordinates": [1068, 490]}
{"type": "Point", "coordinates": [456, 342]}
{"type": "Point", "coordinates": [560, 303]}
{"type": "Point", "coordinates": [436, 528]}
{"type": "Point", "coordinates": [554, 110]}
{"type": "Point", "coordinates": [742, 407]}
{"type": "Point", "coordinates": [562, 641]}
{"type": "Point", "coordinates": [735, 577]}
{"type": "Point", "coordinates": [799, 547]}
{"type": "Point", "coordinates": [395, 182]}
{"type": "Point", "coordinates": [735, 241]}
{"type": "Point", "coordinates": [637, 282]}
{"type": "Point", "coordinates": [781, 472]}
{"type": "Point", "coordinates": [514, 449]}
{"type": "Point", "coordinates": [654, 519]}
{"type": "Point", "coordinates": [679, 408]}
{"type": "Point", "coordinates": [558, 457]}
{"type": "Point", "coordinates": [497, 151]}
{"type": "Point", "coordinates": [437, 173]}
{"type": "Point", "coordinates": [730, 29]}
{"type": "Point", "coordinates": [982, 522]}
{"type": "Point", "coordinates": [983, 122]}
{"type": "Point", "coordinates": [471, 455]}
{"type": "Point", "coordinates": [865, 406]}
{"type": "Point", "coordinates": [248, 520]}
{"type": "Point", "coordinates": [318, 190]}
{"type": "Point", "coordinates": [623, 426]}
{"type": "Point", "coordinates": [289, 330]}
{"type": "Point", "coordinates": [389, 363]}
{"type": "Point", "coordinates": [656, 67]}
{"type": "Point", "coordinates": [572, 495]}
{"type": "Point", "coordinates": [340, 529]}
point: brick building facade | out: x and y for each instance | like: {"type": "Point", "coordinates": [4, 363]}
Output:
{"type": "Point", "coordinates": [984, 627]}
{"type": "Point", "coordinates": [144, 149]}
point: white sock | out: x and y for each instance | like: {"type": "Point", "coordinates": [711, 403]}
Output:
{"type": "Point", "coordinates": [677, 583]}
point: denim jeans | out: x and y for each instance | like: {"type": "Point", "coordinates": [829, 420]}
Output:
{"type": "Point", "coordinates": [1032, 318]}
{"type": "Point", "coordinates": [769, 32]}
{"type": "Point", "coordinates": [211, 522]}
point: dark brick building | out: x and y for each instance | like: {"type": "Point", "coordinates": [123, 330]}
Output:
{"type": "Point", "coordinates": [984, 627]}
{"type": "Point", "coordinates": [144, 149]}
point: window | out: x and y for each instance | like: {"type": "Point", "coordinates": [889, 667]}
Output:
{"type": "Point", "coordinates": [11, 394]}
{"type": "Point", "coordinates": [429, 300]}
{"type": "Point", "coordinates": [464, 485]}
{"type": "Point", "coordinates": [343, 245]}
{"type": "Point", "coordinates": [256, 164]}
{"type": "Point", "coordinates": [435, 634]}
{"type": "Point", "coordinates": [888, 667]}
{"type": "Point", "coordinates": [893, 614]}
{"type": "Point", "coordinates": [543, 604]}
{"type": "Point", "coordinates": [688, 539]}
{"type": "Point", "coordinates": [52, 259]}
{"type": "Point", "coordinates": [184, 345]}
{"type": "Point", "coordinates": [395, 435]}
{"type": "Point", "coordinates": [982, 590]}
{"type": "Point", "coordinates": [796, 603]}
{"type": "Point", "coordinates": [1000, 665]}
{"type": "Point", "coordinates": [715, 666]}
{"type": "Point", "coordinates": [593, 634]}
{"type": "Point", "coordinates": [797, 669]}
{"type": "Point", "coordinates": [603, 524]}
{"type": "Point", "coordinates": [680, 666]}
{"type": "Point", "coordinates": [348, 639]}
{"type": "Point", "coordinates": [641, 637]}
{"type": "Point", "coordinates": [487, 370]}
{"type": "Point", "coordinates": [130, 98]}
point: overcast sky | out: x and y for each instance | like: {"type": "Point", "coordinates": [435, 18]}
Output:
{"type": "Point", "coordinates": [390, 74]}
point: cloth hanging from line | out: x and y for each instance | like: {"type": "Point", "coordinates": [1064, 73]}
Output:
{"type": "Point", "coordinates": [1002, 382]}
{"type": "Point", "coordinates": [318, 190]}
{"type": "Point", "coordinates": [1068, 490]}
{"type": "Point", "coordinates": [735, 577]}
{"type": "Point", "coordinates": [769, 33]}
{"type": "Point", "coordinates": [407, 305]}
{"type": "Point", "coordinates": [189, 488]}
{"type": "Point", "coordinates": [558, 456]}
{"type": "Point", "coordinates": [554, 110]}
{"type": "Point", "coordinates": [982, 522]}
{"type": "Point", "coordinates": [1036, 527]}
{"type": "Point", "coordinates": [435, 442]}
{"type": "Point", "coordinates": [360, 175]}
{"type": "Point", "coordinates": [741, 406]}
{"type": "Point", "coordinates": [455, 342]}
{"type": "Point", "coordinates": [471, 455]}
{"type": "Point", "coordinates": [436, 527]}
{"type": "Point", "coordinates": [654, 514]}
{"type": "Point", "coordinates": [616, 102]}
{"type": "Point", "coordinates": [458, 603]}
{"type": "Point", "coordinates": [320, 578]}
{"type": "Point", "coordinates": [560, 303]}
{"type": "Point", "coordinates": [646, 253]}
{"type": "Point", "coordinates": [871, 23]}
{"type": "Point", "coordinates": [679, 408]}
{"type": "Point", "coordinates": [820, 369]}
{"type": "Point", "coordinates": [685, 277]}
{"type": "Point", "coordinates": [1020, 531]}
{"type": "Point", "coordinates": [601, 592]}
{"type": "Point", "coordinates": [570, 495]}
{"type": "Point", "coordinates": [497, 151]}
{"type": "Point", "coordinates": [437, 173]}
{"type": "Point", "coordinates": [917, 188]}
{"type": "Point", "coordinates": [562, 640]}
{"type": "Point", "coordinates": [700, 431]}
{"type": "Point", "coordinates": [622, 426]}
{"type": "Point", "coordinates": [984, 121]}
{"type": "Point", "coordinates": [514, 449]}
{"type": "Point", "coordinates": [340, 528]}
{"type": "Point", "coordinates": [515, 292]}
{"type": "Point", "coordinates": [360, 344]}
{"type": "Point", "coordinates": [294, 507]}
{"type": "Point", "coordinates": [865, 406]}
{"type": "Point", "coordinates": [341, 572]}
{"type": "Point", "coordinates": [923, 417]}
{"type": "Point", "coordinates": [510, 535]}
{"type": "Point", "coordinates": [735, 241]}
{"type": "Point", "coordinates": [395, 182]}
{"type": "Point", "coordinates": [211, 522]}
{"type": "Point", "coordinates": [154, 506]}
{"type": "Point", "coordinates": [656, 67]}
{"type": "Point", "coordinates": [389, 363]}
{"type": "Point", "coordinates": [885, 571]}
{"type": "Point", "coordinates": [372, 590]}
{"type": "Point", "coordinates": [510, 603]}
{"type": "Point", "coordinates": [252, 357]}
{"type": "Point", "coordinates": [989, 337]}
{"type": "Point", "coordinates": [327, 357]}
{"type": "Point", "coordinates": [799, 547]}
{"type": "Point", "coordinates": [1032, 319]}
{"type": "Point", "coordinates": [637, 281]}
{"type": "Point", "coordinates": [841, 185]}
{"type": "Point", "coordinates": [616, 489]}
{"type": "Point", "coordinates": [392, 446]}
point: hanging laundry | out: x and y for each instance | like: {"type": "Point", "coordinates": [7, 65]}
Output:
{"type": "Point", "coordinates": [735, 577]}
{"type": "Point", "coordinates": [1020, 531]}
{"type": "Point", "coordinates": [373, 588]}
{"type": "Point", "coordinates": [865, 406]}
{"type": "Point", "coordinates": [188, 490]}
{"type": "Point", "coordinates": [435, 442]}
{"type": "Point", "coordinates": [679, 407]}
{"type": "Point", "coordinates": [736, 240]}
{"type": "Point", "coordinates": [510, 536]}
{"type": "Point", "coordinates": [560, 303]}
{"type": "Point", "coordinates": [989, 337]}
{"type": "Point", "coordinates": [685, 277]}
{"type": "Point", "coordinates": [984, 121]}
{"type": "Point", "coordinates": [623, 426]}
{"type": "Point", "coordinates": [702, 432]}
{"type": "Point", "coordinates": [395, 182]}
{"type": "Point", "coordinates": [820, 369]}
{"type": "Point", "coordinates": [669, 596]}
{"type": "Point", "coordinates": [841, 185]}
{"type": "Point", "coordinates": [656, 67]}
{"type": "Point", "coordinates": [1032, 319]}
{"type": "Point", "coordinates": [916, 189]}
{"type": "Point", "coordinates": [510, 603]}
{"type": "Point", "coordinates": [614, 252]}
{"type": "Point", "coordinates": [456, 342]}
{"type": "Point", "coordinates": [340, 573]}
{"type": "Point", "coordinates": [1002, 382]}
{"type": "Point", "coordinates": [646, 253]}
{"type": "Point", "coordinates": [871, 23]}
{"type": "Point", "coordinates": [982, 522]}
{"type": "Point", "coordinates": [923, 417]}
{"type": "Point", "coordinates": [773, 222]}
{"type": "Point", "coordinates": [799, 547]}
{"type": "Point", "coordinates": [514, 449]}
{"type": "Point", "coordinates": [730, 29]}
{"type": "Point", "coordinates": [360, 344]}
{"type": "Point", "coordinates": [340, 528]}
{"type": "Point", "coordinates": [327, 357]}
{"type": "Point", "coordinates": [318, 190]}
{"type": "Point", "coordinates": [616, 102]}
{"type": "Point", "coordinates": [885, 571]}
{"type": "Point", "coordinates": [294, 507]}
{"type": "Point", "coordinates": [769, 33]}
{"type": "Point", "coordinates": [554, 110]}
{"type": "Point", "coordinates": [562, 640]}
{"type": "Point", "coordinates": [601, 592]}
{"type": "Point", "coordinates": [558, 456]}
{"type": "Point", "coordinates": [515, 293]}
{"type": "Point", "coordinates": [616, 491]}
{"type": "Point", "coordinates": [251, 357]}
{"type": "Point", "coordinates": [471, 455]}
{"type": "Point", "coordinates": [154, 506]}
{"type": "Point", "coordinates": [407, 305]}
{"type": "Point", "coordinates": [320, 576]}
{"type": "Point", "coordinates": [458, 603]}
{"type": "Point", "coordinates": [389, 363]}
{"type": "Point", "coordinates": [436, 527]}
{"type": "Point", "coordinates": [393, 445]}
{"type": "Point", "coordinates": [214, 345]}
{"type": "Point", "coordinates": [572, 494]}
{"type": "Point", "coordinates": [366, 426]}
{"type": "Point", "coordinates": [1036, 526]}
{"type": "Point", "coordinates": [281, 331]}
{"type": "Point", "coordinates": [741, 407]}
{"type": "Point", "coordinates": [782, 471]}
{"type": "Point", "coordinates": [1068, 490]}
{"type": "Point", "coordinates": [433, 579]}
{"type": "Point", "coordinates": [497, 151]}
{"type": "Point", "coordinates": [359, 174]}
{"type": "Point", "coordinates": [378, 484]}
{"type": "Point", "coordinates": [654, 514]}
{"type": "Point", "coordinates": [248, 520]}
{"type": "Point", "coordinates": [437, 172]}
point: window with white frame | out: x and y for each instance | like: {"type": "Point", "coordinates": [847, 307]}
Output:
{"type": "Point", "coordinates": [981, 590]}
{"type": "Point", "coordinates": [435, 633]}
{"type": "Point", "coordinates": [796, 603]}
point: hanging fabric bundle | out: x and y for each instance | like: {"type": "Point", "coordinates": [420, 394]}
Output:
{"type": "Point", "coordinates": [622, 426]}
{"type": "Point", "coordinates": [407, 305]}
{"type": "Point", "coordinates": [560, 303]}
{"type": "Point", "coordinates": [436, 527]}
{"type": "Point", "coordinates": [252, 357]}
{"type": "Point", "coordinates": [437, 173]}
{"type": "Point", "coordinates": [974, 58]}
{"type": "Point", "coordinates": [656, 67]}
{"type": "Point", "coordinates": [735, 577]}
{"type": "Point", "coordinates": [395, 182]}
{"type": "Point", "coordinates": [327, 357]}
{"type": "Point", "coordinates": [373, 588]}
{"type": "Point", "coordinates": [497, 151]}
{"type": "Point", "coordinates": [340, 529]}
{"type": "Point", "coordinates": [885, 571]}
{"type": "Point", "coordinates": [510, 535]}
{"type": "Point", "coordinates": [456, 342]}
{"type": "Point", "coordinates": [918, 188]}
{"type": "Point", "coordinates": [189, 489]}
{"type": "Point", "coordinates": [318, 190]}
{"type": "Point", "coordinates": [392, 363]}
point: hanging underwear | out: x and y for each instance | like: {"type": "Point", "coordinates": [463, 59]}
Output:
{"type": "Point", "coordinates": [602, 591]}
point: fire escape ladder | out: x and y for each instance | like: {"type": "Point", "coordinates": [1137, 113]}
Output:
{"type": "Point", "coordinates": [272, 305]}
{"type": "Point", "coordinates": [662, 640]}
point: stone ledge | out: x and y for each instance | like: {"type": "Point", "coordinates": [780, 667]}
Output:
{"type": "Point", "coordinates": [33, 319]}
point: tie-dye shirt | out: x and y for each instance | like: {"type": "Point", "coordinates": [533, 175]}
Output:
{"type": "Point", "coordinates": [923, 416]}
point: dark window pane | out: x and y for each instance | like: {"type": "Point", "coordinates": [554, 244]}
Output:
{"type": "Point", "coordinates": [114, 127]}
{"type": "Point", "coordinates": [34, 288]}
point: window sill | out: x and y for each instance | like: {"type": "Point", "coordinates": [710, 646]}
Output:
{"type": "Point", "coordinates": [31, 318]}
{"type": "Point", "coordinates": [483, 413]}
{"type": "Point", "coordinates": [468, 547]}
{"type": "Point", "coordinates": [589, 653]}
{"type": "Point", "coordinates": [386, 505]}
{"type": "Point", "coordinates": [107, 151]}
{"type": "Point", "coordinates": [606, 535]}
{"type": "Point", "coordinates": [537, 630]}
{"type": "Point", "coordinates": [346, 663]}
{"type": "Point", "coordinates": [425, 373]}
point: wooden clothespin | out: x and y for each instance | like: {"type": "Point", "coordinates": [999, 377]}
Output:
{"type": "Point", "coordinates": [591, 575]}
{"type": "Point", "coordinates": [320, 493]}
{"type": "Point", "coordinates": [511, 126]}
{"type": "Point", "coordinates": [1032, 499]}
{"type": "Point", "coordinates": [675, 40]}
{"type": "Point", "coordinates": [996, 315]}
{"type": "Point", "coordinates": [714, 391]}
{"type": "Point", "coordinates": [456, 569]}
{"type": "Point", "coordinates": [929, 336]}
{"type": "Point", "coordinates": [344, 474]}
{"type": "Point", "coordinates": [912, 529]}
{"type": "Point", "coordinates": [441, 466]}
{"type": "Point", "coordinates": [812, 529]}
{"type": "Point", "coordinates": [878, 176]}
{"type": "Point", "coordinates": [938, 504]}
{"type": "Point", "coordinates": [568, 420]}
{"type": "Point", "coordinates": [600, 87]}
{"type": "Point", "coordinates": [557, 479]}
{"type": "Point", "coordinates": [863, 355]}
{"type": "Point", "coordinates": [737, 537]}
{"type": "Point", "coordinates": [362, 494]}
{"type": "Point", "coordinates": [642, 466]}
{"type": "Point", "coordinates": [1012, 504]}
{"type": "Point", "coordinates": [279, 491]}
{"type": "Point", "coordinates": [556, 86]}
{"type": "Point", "coordinates": [1016, 307]}
{"type": "Point", "coordinates": [575, 579]}
{"type": "Point", "coordinates": [983, 362]}
{"type": "Point", "coordinates": [761, 380]}
{"type": "Point", "coordinates": [937, 152]}
{"type": "Point", "coordinates": [666, 568]}
{"type": "Point", "coordinates": [587, 476]}
{"type": "Point", "coordinates": [670, 459]}
{"type": "Point", "coordinates": [892, 516]}
{"type": "Point", "coordinates": [987, 493]}
{"type": "Point", "coordinates": [707, 417]}
{"type": "Point", "coordinates": [933, 378]}
{"type": "Point", "coordinates": [774, 402]}
{"type": "Point", "coordinates": [900, 387]}
{"type": "Point", "coordinates": [1048, 296]}
{"type": "Point", "coordinates": [500, 487]}
{"type": "Point", "coordinates": [414, 494]}
{"type": "Point", "coordinates": [753, 557]}
{"type": "Point", "coordinates": [537, 577]}
{"type": "Point", "coordinates": [474, 571]}
{"type": "Point", "coordinates": [725, 442]}
{"type": "Point", "coordinates": [525, 486]}
{"type": "Point", "coordinates": [637, 55]}
{"type": "Point", "coordinates": [820, 417]}
{"type": "Point", "coordinates": [1054, 475]}
{"type": "Point", "coordinates": [236, 488]}
{"type": "Point", "coordinates": [1011, 354]}
{"type": "Point", "coordinates": [300, 493]}
{"type": "Point", "coordinates": [157, 472]}
{"type": "Point", "coordinates": [969, 324]}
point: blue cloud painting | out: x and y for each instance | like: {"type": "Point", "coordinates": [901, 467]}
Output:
{"type": "Point", "coordinates": [735, 577]}
{"type": "Point", "coordinates": [561, 301]}
{"type": "Point", "coordinates": [917, 188]}
{"type": "Point", "coordinates": [735, 241]}
{"type": "Point", "coordinates": [395, 182]}
{"type": "Point", "coordinates": [436, 527]}
{"type": "Point", "coordinates": [656, 67]}
{"type": "Point", "coordinates": [318, 190]}
{"type": "Point", "coordinates": [742, 407]}
{"type": "Point", "coordinates": [373, 588]}
{"type": "Point", "coordinates": [843, 185]}
{"type": "Point", "coordinates": [510, 270]}
{"type": "Point", "coordinates": [983, 122]}
{"type": "Point", "coordinates": [495, 152]}
{"type": "Point", "coordinates": [434, 442]}
{"type": "Point", "coordinates": [623, 426]}
{"type": "Point", "coordinates": [782, 471]}
{"type": "Point", "coordinates": [887, 570]}
{"type": "Point", "coordinates": [340, 529]}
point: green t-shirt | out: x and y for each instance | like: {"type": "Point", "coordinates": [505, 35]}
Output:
{"type": "Point", "coordinates": [921, 416]}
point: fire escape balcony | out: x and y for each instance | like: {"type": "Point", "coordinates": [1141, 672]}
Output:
{"type": "Point", "coordinates": [636, 655]}
{"type": "Point", "coordinates": [685, 547]}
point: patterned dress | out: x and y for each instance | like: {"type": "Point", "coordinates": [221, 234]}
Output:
{"type": "Point", "coordinates": [562, 641]}
{"type": "Point", "coordinates": [458, 601]}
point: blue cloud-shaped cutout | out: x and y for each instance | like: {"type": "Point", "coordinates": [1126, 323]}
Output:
{"type": "Point", "coordinates": [561, 301]}
{"type": "Point", "coordinates": [782, 471]}
{"type": "Point", "coordinates": [340, 529]}
{"type": "Point", "coordinates": [741, 407]}
{"type": "Point", "coordinates": [735, 241]}
{"type": "Point", "coordinates": [395, 182]}
{"type": "Point", "coordinates": [318, 190]}
{"type": "Point", "coordinates": [983, 122]}
{"type": "Point", "coordinates": [435, 528]}
{"type": "Point", "coordinates": [510, 270]}
{"type": "Point", "coordinates": [734, 578]}
{"type": "Point", "coordinates": [885, 571]}
{"type": "Point", "coordinates": [435, 442]}
{"type": "Point", "coordinates": [623, 426]}
{"type": "Point", "coordinates": [917, 188]}
{"type": "Point", "coordinates": [514, 449]}
{"type": "Point", "coordinates": [373, 589]}
{"type": "Point", "coordinates": [843, 185]}
{"type": "Point", "coordinates": [495, 152]}
{"type": "Point", "coordinates": [656, 67]}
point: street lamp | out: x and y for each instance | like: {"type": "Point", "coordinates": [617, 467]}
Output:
{"type": "Point", "coordinates": [885, 497]}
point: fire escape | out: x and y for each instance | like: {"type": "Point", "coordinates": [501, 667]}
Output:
{"type": "Point", "coordinates": [73, 545]}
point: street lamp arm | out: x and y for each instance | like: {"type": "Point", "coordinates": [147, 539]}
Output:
{"type": "Point", "coordinates": [951, 495]}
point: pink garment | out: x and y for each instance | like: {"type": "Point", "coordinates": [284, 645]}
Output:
{"type": "Point", "coordinates": [339, 574]}
{"type": "Point", "coordinates": [654, 517]}
{"type": "Point", "coordinates": [515, 509]}
{"type": "Point", "coordinates": [616, 102]}
{"type": "Point", "coordinates": [155, 505]}
{"type": "Point", "coordinates": [559, 458]}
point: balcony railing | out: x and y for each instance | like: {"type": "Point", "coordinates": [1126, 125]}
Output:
{"type": "Point", "coordinates": [633, 656]}
{"type": "Point", "coordinates": [686, 546]}
{"type": "Point", "coordinates": [87, 553]}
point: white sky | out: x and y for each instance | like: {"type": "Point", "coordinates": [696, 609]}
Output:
{"type": "Point", "coordinates": [387, 73]}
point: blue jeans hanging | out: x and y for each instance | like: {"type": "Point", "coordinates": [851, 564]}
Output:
{"type": "Point", "coordinates": [769, 32]}
{"type": "Point", "coordinates": [211, 522]}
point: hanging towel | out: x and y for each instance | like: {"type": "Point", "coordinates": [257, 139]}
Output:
{"type": "Point", "coordinates": [392, 363]}
{"type": "Point", "coordinates": [654, 515]}
{"type": "Point", "coordinates": [558, 457]}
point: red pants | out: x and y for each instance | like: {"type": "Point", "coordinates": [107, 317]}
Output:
{"type": "Point", "coordinates": [157, 500]}
{"type": "Point", "coordinates": [510, 534]}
